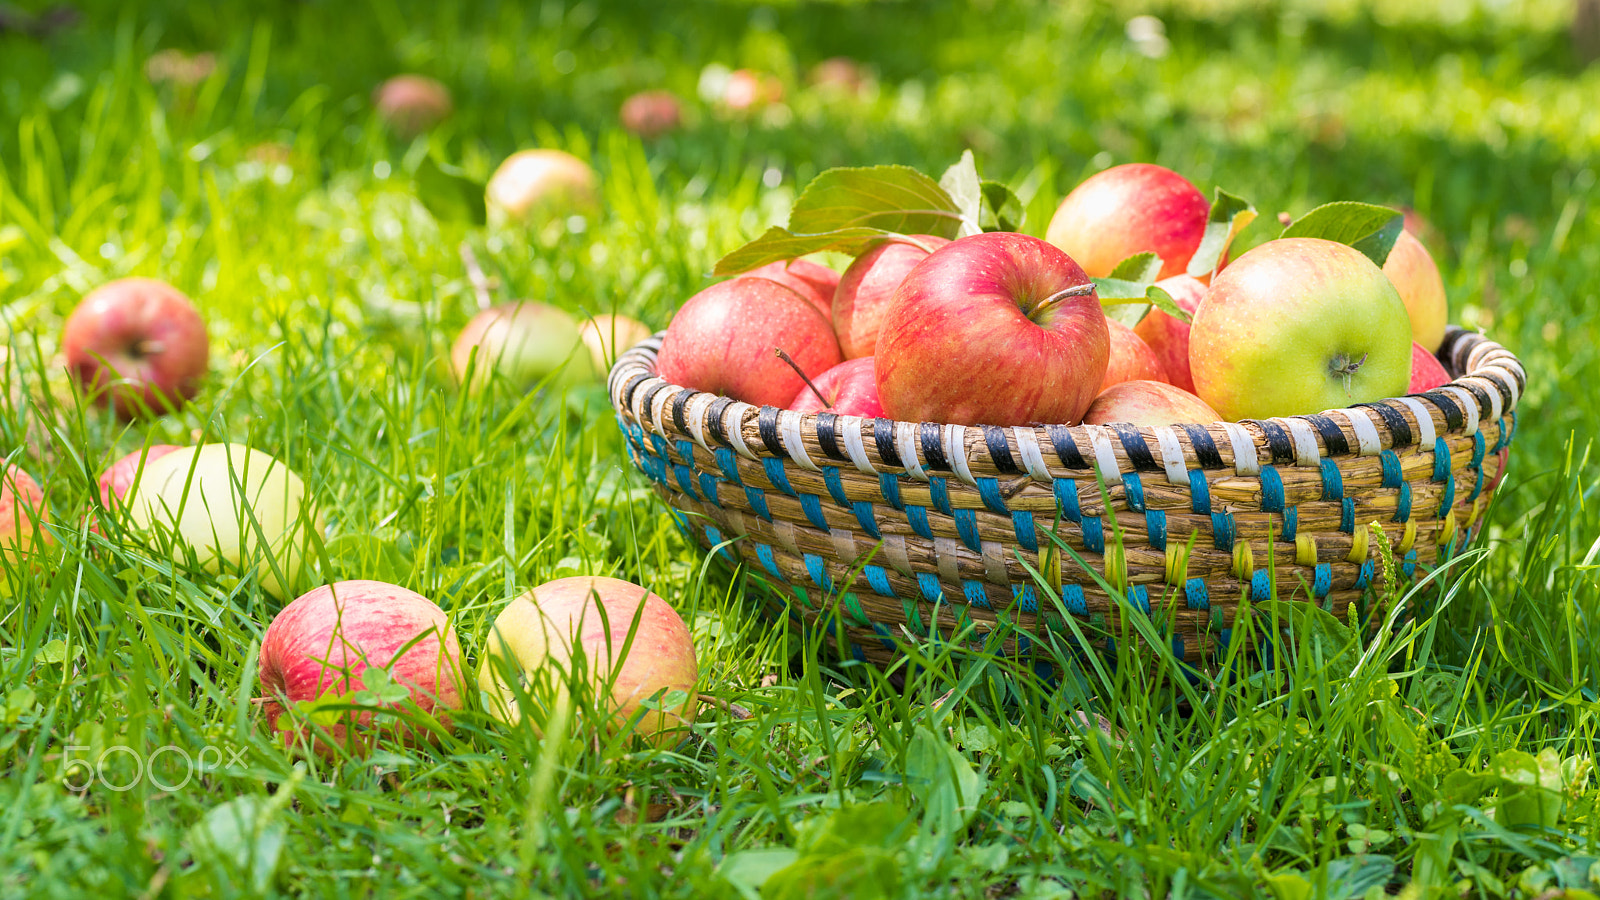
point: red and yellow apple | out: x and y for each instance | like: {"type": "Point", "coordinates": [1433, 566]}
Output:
{"type": "Point", "coordinates": [1411, 268]}
{"type": "Point", "coordinates": [650, 114]}
{"type": "Point", "coordinates": [1148, 403]}
{"type": "Point", "coordinates": [1169, 336]}
{"type": "Point", "coordinates": [1129, 209]}
{"type": "Point", "coordinates": [22, 515]}
{"type": "Point", "coordinates": [868, 285]}
{"type": "Point", "coordinates": [534, 187]}
{"type": "Point", "coordinates": [1131, 358]}
{"type": "Point", "coordinates": [850, 389]}
{"type": "Point", "coordinates": [138, 344]}
{"type": "Point", "coordinates": [810, 280]}
{"type": "Point", "coordinates": [525, 343]}
{"type": "Point", "coordinates": [412, 104]}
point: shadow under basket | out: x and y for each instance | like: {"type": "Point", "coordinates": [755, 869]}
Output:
{"type": "Point", "coordinates": [887, 532]}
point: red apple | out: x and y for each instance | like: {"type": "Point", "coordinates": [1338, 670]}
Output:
{"type": "Point", "coordinates": [867, 287]}
{"type": "Point", "coordinates": [1131, 358]}
{"type": "Point", "coordinates": [997, 329]}
{"type": "Point", "coordinates": [1135, 208]}
{"type": "Point", "coordinates": [723, 341]}
{"type": "Point", "coordinates": [533, 187]}
{"type": "Point", "coordinates": [1169, 337]}
{"type": "Point", "coordinates": [1417, 279]}
{"type": "Point", "coordinates": [139, 344]}
{"type": "Point", "coordinates": [22, 515]}
{"type": "Point", "coordinates": [613, 639]}
{"type": "Point", "coordinates": [412, 104]}
{"type": "Point", "coordinates": [1427, 372]}
{"type": "Point", "coordinates": [650, 114]}
{"type": "Point", "coordinates": [322, 644]}
{"type": "Point", "coordinates": [851, 389]}
{"type": "Point", "coordinates": [810, 280]}
{"type": "Point", "coordinates": [1148, 403]}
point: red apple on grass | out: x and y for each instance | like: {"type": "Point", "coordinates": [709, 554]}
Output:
{"type": "Point", "coordinates": [609, 335]}
{"type": "Point", "coordinates": [1168, 336]}
{"type": "Point", "coordinates": [724, 340]}
{"type": "Point", "coordinates": [1416, 278]}
{"type": "Point", "coordinates": [138, 344]}
{"type": "Point", "coordinates": [1427, 372]}
{"type": "Point", "coordinates": [534, 187]}
{"type": "Point", "coordinates": [525, 343]}
{"type": "Point", "coordinates": [22, 515]}
{"type": "Point", "coordinates": [996, 329]}
{"type": "Point", "coordinates": [838, 75]}
{"type": "Point", "coordinates": [610, 639]}
{"type": "Point", "coordinates": [1148, 403]}
{"type": "Point", "coordinates": [867, 287]}
{"type": "Point", "coordinates": [327, 644]}
{"type": "Point", "coordinates": [1131, 358]}
{"type": "Point", "coordinates": [412, 104]}
{"type": "Point", "coordinates": [1129, 209]}
{"type": "Point", "coordinates": [810, 280]}
{"type": "Point", "coordinates": [650, 114]}
{"type": "Point", "coordinates": [1296, 326]}
{"type": "Point", "coordinates": [850, 389]}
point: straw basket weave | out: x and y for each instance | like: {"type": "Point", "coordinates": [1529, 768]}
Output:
{"type": "Point", "coordinates": [897, 531]}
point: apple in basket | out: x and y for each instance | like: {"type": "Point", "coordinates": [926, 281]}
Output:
{"type": "Point", "coordinates": [810, 280]}
{"type": "Point", "coordinates": [1148, 403]}
{"type": "Point", "coordinates": [1169, 337]}
{"type": "Point", "coordinates": [868, 285]}
{"type": "Point", "coordinates": [725, 340]}
{"type": "Point", "coordinates": [997, 329]}
{"type": "Point", "coordinates": [1416, 277]}
{"type": "Point", "coordinates": [1427, 372]}
{"type": "Point", "coordinates": [849, 389]}
{"type": "Point", "coordinates": [1131, 358]}
{"type": "Point", "coordinates": [1129, 209]}
{"type": "Point", "coordinates": [1296, 326]}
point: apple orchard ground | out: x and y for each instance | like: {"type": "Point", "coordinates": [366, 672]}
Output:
{"type": "Point", "coordinates": [269, 194]}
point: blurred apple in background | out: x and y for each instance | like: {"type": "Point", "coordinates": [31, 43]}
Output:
{"type": "Point", "coordinates": [1148, 403]}
{"type": "Point", "coordinates": [747, 90]}
{"type": "Point", "coordinates": [1129, 209]}
{"type": "Point", "coordinates": [1416, 278]}
{"type": "Point", "coordinates": [724, 340]}
{"type": "Point", "coordinates": [1427, 372]}
{"type": "Point", "coordinates": [813, 281]}
{"type": "Point", "coordinates": [609, 335]}
{"type": "Point", "coordinates": [850, 389]}
{"type": "Point", "coordinates": [1168, 336]}
{"type": "Point", "coordinates": [22, 515]}
{"type": "Point", "coordinates": [650, 114]}
{"type": "Point", "coordinates": [138, 344]}
{"type": "Point", "coordinates": [613, 640]}
{"type": "Point", "coordinates": [838, 75]}
{"type": "Point", "coordinates": [1131, 358]}
{"type": "Point", "coordinates": [995, 329]}
{"type": "Point", "coordinates": [412, 104]}
{"type": "Point", "coordinates": [525, 343]}
{"type": "Point", "coordinates": [534, 187]}
{"type": "Point", "coordinates": [867, 287]}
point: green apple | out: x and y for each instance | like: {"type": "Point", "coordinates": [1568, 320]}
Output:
{"type": "Point", "coordinates": [239, 510]}
{"type": "Point", "coordinates": [523, 341]}
{"type": "Point", "coordinates": [1296, 326]}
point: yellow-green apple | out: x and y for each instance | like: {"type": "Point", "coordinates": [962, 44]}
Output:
{"type": "Point", "coordinates": [22, 515]}
{"type": "Point", "coordinates": [813, 281]}
{"type": "Point", "coordinates": [650, 114]}
{"type": "Point", "coordinates": [724, 340]}
{"type": "Point", "coordinates": [1131, 358]}
{"type": "Point", "coordinates": [996, 329]}
{"type": "Point", "coordinates": [1412, 270]}
{"type": "Point", "coordinates": [533, 187]}
{"type": "Point", "coordinates": [138, 344]}
{"type": "Point", "coordinates": [1427, 372]}
{"type": "Point", "coordinates": [325, 645]}
{"type": "Point", "coordinates": [412, 104]}
{"type": "Point", "coordinates": [609, 335]}
{"type": "Point", "coordinates": [850, 389]}
{"type": "Point", "coordinates": [238, 510]}
{"type": "Point", "coordinates": [1148, 403]}
{"type": "Point", "coordinates": [1129, 209]}
{"type": "Point", "coordinates": [525, 343]}
{"type": "Point", "coordinates": [868, 285]}
{"type": "Point", "coordinates": [122, 474]}
{"type": "Point", "coordinates": [611, 639]}
{"type": "Point", "coordinates": [1299, 325]}
{"type": "Point", "coordinates": [1168, 336]}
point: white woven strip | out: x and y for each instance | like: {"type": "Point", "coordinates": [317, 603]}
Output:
{"type": "Point", "coordinates": [735, 433]}
{"type": "Point", "coordinates": [1511, 379]}
{"type": "Point", "coordinates": [844, 546]}
{"type": "Point", "coordinates": [905, 440]}
{"type": "Point", "coordinates": [1105, 455]}
{"type": "Point", "coordinates": [894, 550]}
{"type": "Point", "coordinates": [1468, 404]}
{"type": "Point", "coordinates": [954, 438]}
{"type": "Point", "coordinates": [1306, 452]}
{"type": "Point", "coordinates": [1368, 441]}
{"type": "Point", "coordinates": [658, 411]}
{"type": "Point", "coordinates": [1032, 458]}
{"type": "Point", "coordinates": [638, 410]}
{"type": "Point", "coordinates": [994, 562]}
{"type": "Point", "coordinates": [1172, 455]}
{"type": "Point", "coordinates": [1419, 411]}
{"type": "Point", "coordinates": [794, 440]}
{"type": "Point", "coordinates": [945, 551]}
{"type": "Point", "coordinates": [695, 413]}
{"type": "Point", "coordinates": [854, 443]}
{"type": "Point", "coordinates": [783, 533]}
{"type": "Point", "coordinates": [1245, 461]}
{"type": "Point", "coordinates": [735, 522]}
{"type": "Point", "coordinates": [1495, 400]}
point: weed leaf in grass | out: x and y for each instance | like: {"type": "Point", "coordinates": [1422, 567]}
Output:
{"type": "Point", "coordinates": [1364, 226]}
{"type": "Point", "coordinates": [1229, 215]}
{"type": "Point", "coordinates": [243, 836]}
{"type": "Point", "coordinates": [947, 783]}
{"type": "Point", "coordinates": [449, 194]}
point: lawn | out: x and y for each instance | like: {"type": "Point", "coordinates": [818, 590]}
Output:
{"type": "Point", "coordinates": [1451, 756]}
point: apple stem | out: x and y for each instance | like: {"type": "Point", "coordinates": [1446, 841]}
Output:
{"type": "Point", "coordinates": [778, 351]}
{"type": "Point", "coordinates": [480, 282]}
{"type": "Point", "coordinates": [1077, 290]}
{"type": "Point", "coordinates": [149, 347]}
{"type": "Point", "coordinates": [1285, 219]}
{"type": "Point", "coordinates": [1344, 367]}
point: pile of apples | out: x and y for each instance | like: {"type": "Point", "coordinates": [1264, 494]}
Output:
{"type": "Point", "coordinates": [1002, 328]}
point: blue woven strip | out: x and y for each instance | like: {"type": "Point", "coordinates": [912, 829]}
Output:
{"type": "Point", "coordinates": [1507, 432]}
{"type": "Point", "coordinates": [1271, 489]}
{"type": "Point", "coordinates": [1224, 638]}
{"type": "Point", "coordinates": [989, 490]}
{"type": "Point", "coordinates": [1195, 594]}
{"type": "Point", "coordinates": [973, 591]}
{"type": "Point", "coordinates": [777, 475]}
{"type": "Point", "coordinates": [1072, 598]}
{"type": "Point", "coordinates": [818, 572]}
{"type": "Point", "coordinates": [708, 489]}
{"type": "Point", "coordinates": [1027, 536]}
{"type": "Point", "coordinates": [811, 505]}
{"type": "Point", "coordinates": [1332, 481]}
{"type": "Point", "coordinates": [939, 489]}
{"type": "Point", "coordinates": [728, 465]}
{"type": "Point", "coordinates": [1178, 648]}
{"type": "Point", "coordinates": [878, 580]}
{"type": "Point", "coordinates": [967, 528]}
{"type": "Point", "coordinates": [1155, 528]}
{"type": "Point", "coordinates": [1408, 565]}
{"type": "Point", "coordinates": [1448, 498]}
{"type": "Point", "coordinates": [885, 636]}
{"type": "Point", "coordinates": [1066, 491]}
{"type": "Point", "coordinates": [1402, 503]}
{"type": "Point", "coordinates": [864, 515]}
{"type": "Point", "coordinates": [682, 521]}
{"type": "Point", "coordinates": [1133, 491]}
{"type": "Point", "coordinates": [1347, 515]}
{"type": "Point", "coordinates": [1477, 484]}
{"type": "Point", "coordinates": [1478, 447]}
{"type": "Point", "coordinates": [1199, 491]}
{"type": "Point", "coordinates": [1026, 597]}
{"type": "Point", "coordinates": [830, 477]}
{"type": "Point", "coordinates": [686, 452]}
{"type": "Point", "coordinates": [857, 653]}
{"type": "Point", "coordinates": [1321, 580]}
{"type": "Point", "coordinates": [764, 554]}
{"type": "Point", "coordinates": [889, 486]}
{"type": "Point", "coordinates": [1139, 597]}
{"type": "Point", "coordinates": [1365, 577]}
{"type": "Point", "coordinates": [1441, 459]}
{"type": "Point", "coordinates": [1392, 475]}
{"type": "Point", "coordinates": [918, 517]}
{"type": "Point", "coordinates": [1291, 523]}
{"type": "Point", "coordinates": [685, 477]}
{"type": "Point", "coordinates": [929, 583]}
{"type": "Point", "coordinates": [659, 446]}
{"type": "Point", "coordinates": [1260, 586]}
{"type": "Point", "coordinates": [1094, 538]}
{"type": "Point", "coordinates": [758, 502]}
{"type": "Point", "coordinates": [1222, 534]}
{"type": "Point", "coordinates": [1024, 646]}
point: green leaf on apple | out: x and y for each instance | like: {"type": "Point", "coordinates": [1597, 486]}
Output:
{"type": "Point", "coordinates": [1160, 299]}
{"type": "Point", "coordinates": [962, 183]}
{"type": "Point", "coordinates": [1229, 215]}
{"type": "Point", "coordinates": [1140, 267]}
{"type": "Point", "coordinates": [448, 193]}
{"type": "Point", "coordinates": [1125, 292]}
{"type": "Point", "coordinates": [1367, 227]}
{"type": "Point", "coordinates": [779, 244]}
{"type": "Point", "coordinates": [1002, 209]}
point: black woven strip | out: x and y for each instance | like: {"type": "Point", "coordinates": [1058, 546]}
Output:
{"type": "Point", "coordinates": [631, 385]}
{"type": "Point", "coordinates": [1066, 447]}
{"type": "Point", "coordinates": [828, 435]}
{"type": "Point", "coordinates": [1332, 435]}
{"type": "Point", "coordinates": [1138, 451]}
{"type": "Point", "coordinates": [1453, 416]}
{"type": "Point", "coordinates": [1394, 421]}
{"type": "Point", "coordinates": [649, 399]}
{"type": "Point", "coordinates": [1452, 337]}
{"type": "Point", "coordinates": [1205, 449]}
{"type": "Point", "coordinates": [714, 415]}
{"type": "Point", "coordinates": [999, 451]}
{"type": "Point", "coordinates": [1277, 440]}
{"type": "Point", "coordinates": [932, 448]}
{"type": "Point", "coordinates": [1485, 405]}
{"type": "Point", "coordinates": [1494, 377]}
{"type": "Point", "coordinates": [883, 436]}
{"type": "Point", "coordinates": [767, 422]}
{"type": "Point", "coordinates": [678, 404]}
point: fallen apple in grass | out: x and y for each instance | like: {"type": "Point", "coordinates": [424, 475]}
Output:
{"type": "Point", "coordinates": [331, 643]}
{"type": "Point", "coordinates": [650, 114]}
{"type": "Point", "coordinates": [523, 342]}
{"type": "Point", "coordinates": [609, 335]}
{"type": "Point", "coordinates": [122, 474]}
{"type": "Point", "coordinates": [138, 344]}
{"type": "Point", "coordinates": [22, 515]}
{"type": "Point", "coordinates": [533, 187]}
{"type": "Point", "coordinates": [1169, 336]}
{"type": "Point", "coordinates": [1131, 359]}
{"type": "Point", "coordinates": [1415, 276]}
{"type": "Point", "coordinates": [623, 646]}
{"type": "Point", "coordinates": [1130, 209]}
{"type": "Point", "coordinates": [849, 389]}
{"type": "Point", "coordinates": [1148, 403]}
{"type": "Point", "coordinates": [867, 288]}
{"type": "Point", "coordinates": [1427, 372]}
{"type": "Point", "coordinates": [412, 104]}
{"type": "Point", "coordinates": [810, 280]}
{"type": "Point", "coordinates": [238, 510]}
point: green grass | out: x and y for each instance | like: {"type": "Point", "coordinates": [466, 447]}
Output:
{"type": "Point", "coordinates": [331, 293]}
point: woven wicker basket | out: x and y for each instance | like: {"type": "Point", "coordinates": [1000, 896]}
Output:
{"type": "Point", "coordinates": [908, 531]}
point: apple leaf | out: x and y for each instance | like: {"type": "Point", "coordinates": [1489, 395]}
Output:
{"type": "Point", "coordinates": [1369, 228]}
{"type": "Point", "coordinates": [1140, 267]}
{"type": "Point", "coordinates": [1125, 292]}
{"type": "Point", "coordinates": [961, 182]}
{"type": "Point", "coordinates": [1002, 209]}
{"type": "Point", "coordinates": [448, 193]}
{"type": "Point", "coordinates": [1163, 301]}
{"type": "Point", "coordinates": [1229, 216]}
{"type": "Point", "coordinates": [779, 244]}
